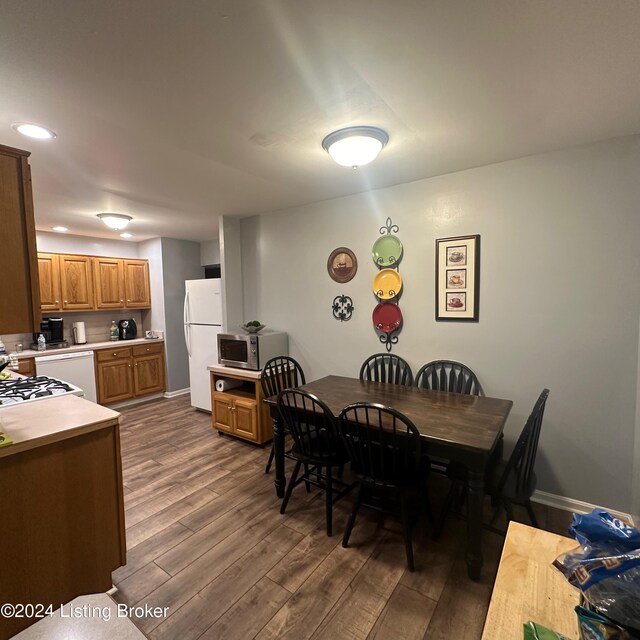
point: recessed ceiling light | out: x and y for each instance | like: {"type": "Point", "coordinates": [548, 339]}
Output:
{"type": "Point", "coordinates": [355, 146]}
{"type": "Point", "coordinates": [115, 221]}
{"type": "Point", "coordinates": [33, 130]}
{"type": "Point", "coordinates": [126, 235]}
{"type": "Point", "coordinates": [60, 229]}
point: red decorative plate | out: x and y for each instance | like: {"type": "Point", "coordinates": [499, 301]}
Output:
{"type": "Point", "coordinates": [387, 317]}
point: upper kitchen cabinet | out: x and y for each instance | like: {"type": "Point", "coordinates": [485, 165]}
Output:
{"type": "Point", "coordinates": [136, 284]}
{"type": "Point", "coordinates": [108, 275]}
{"type": "Point", "coordinates": [81, 283]}
{"type": "Point", "coordinates": [76, 283]}
{"type": "Point", "coordinates": [49, 272]}
{"type": "Point", "coordinates": [19, 290]}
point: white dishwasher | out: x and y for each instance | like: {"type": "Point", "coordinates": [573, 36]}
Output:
{"type": "Point", "coordinates": [75, 368]}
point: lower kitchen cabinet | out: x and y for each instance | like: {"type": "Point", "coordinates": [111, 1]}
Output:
{"type": "Point", "coordinates": [240, 412]}
{"type": "Point", "coordinates": [129, 372]}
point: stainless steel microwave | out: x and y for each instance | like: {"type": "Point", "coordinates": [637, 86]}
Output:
{"type": "Point", "coordinates": [251, 350]}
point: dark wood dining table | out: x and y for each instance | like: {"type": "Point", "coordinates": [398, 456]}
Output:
{"type": "Point", "coordinates": [458, 427]}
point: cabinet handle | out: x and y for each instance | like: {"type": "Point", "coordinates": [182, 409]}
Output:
{"type": "Point", "coordinates": [129, 366]}
{"type": "Point", "coordinates": [121, 300]}
{"type": "Point", "coordinates": [136, 364]}
{"type": "Point", "coordinates": [128, 300]}
{"type": "Point", "coordinates": [147, 348]}
{"type": "Point", "coordinates": [57, 302]}
{"type": "Point", "coordinates": [114, 354]}
{"type": "Point", "coordinates": [65, 302]}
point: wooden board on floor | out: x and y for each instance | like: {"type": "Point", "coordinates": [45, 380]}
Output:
{"type": "Point", "coordinates": [529, 588]}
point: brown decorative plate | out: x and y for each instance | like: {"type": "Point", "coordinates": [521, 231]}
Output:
{"type": "Point", "coordinates": [342, 264]}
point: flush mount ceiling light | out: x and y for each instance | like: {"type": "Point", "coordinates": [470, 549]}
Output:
{"type": "Point", "coordinates": [115, 221]}
{"type": "Point", "coordinates": [33, 130]}
{"type": "Point", "coordinates": [355, 146]}
{"type": "Point", "coordinates": [60, 229]}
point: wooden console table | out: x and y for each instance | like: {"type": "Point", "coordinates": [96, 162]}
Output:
{"type": "Point", "coordinates": [529, 588]}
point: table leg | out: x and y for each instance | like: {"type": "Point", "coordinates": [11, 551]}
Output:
{"type": "Point", "coordinates": [474, 523]}
{"type": "Point", "coordinates": [278, 449]}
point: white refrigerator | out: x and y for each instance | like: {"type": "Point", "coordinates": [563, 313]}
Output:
{"type": "Point", "coordinates": [202, 324]}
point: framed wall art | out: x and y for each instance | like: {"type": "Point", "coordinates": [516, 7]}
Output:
{"type": "Point", "coordinates": [458, 279]}
{"type": "Point", "coordinates": [342, 265]}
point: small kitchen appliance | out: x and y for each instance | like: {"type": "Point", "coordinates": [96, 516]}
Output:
{"type": "Point", "coordinates": [53, 331]}
{"type": "Point", "coordinates": [128, 329]}
{"type": "Point", "coordinates": [79, 334]}
{"type": "Point", "coordinates": [251, 351]}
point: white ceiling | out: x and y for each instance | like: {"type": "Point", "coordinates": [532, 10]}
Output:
{"type": "Point", "coordinates": [176, 112]}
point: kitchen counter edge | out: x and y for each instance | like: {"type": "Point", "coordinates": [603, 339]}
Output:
{"type": "Point", "coordinates": [90, 346]}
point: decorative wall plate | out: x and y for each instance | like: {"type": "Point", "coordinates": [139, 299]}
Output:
{"type": "Point", "coordinates": [387, 317]}
{"type": "Point", "coordinates": [387, 251]}
{"type": "Point", "coordinates": [387, 284]}
{"type": "Point", "coordinates": [342, 264]}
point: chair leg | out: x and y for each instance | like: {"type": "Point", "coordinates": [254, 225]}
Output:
{"type": "Point", "coordinates": [352, 517]}
{"type": "Point", "coordinates": [270, 461]}
{"type": "Point", "coordinates": [307, 484]}
{"type": "Point", "coordinates": [532, 515]}
{"type": "Point", "coordinates": [406, 531]}
{"type": "Point", "coordinates": [329, 502]}
{"type": "Point", "coordinates": [292, 482]}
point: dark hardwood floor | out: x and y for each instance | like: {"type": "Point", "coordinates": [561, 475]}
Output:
{"type": "Point", "coordinates": [205, 538]}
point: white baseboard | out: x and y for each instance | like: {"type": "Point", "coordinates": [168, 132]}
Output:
{"type": "Point", "coordinates": [175, 394]}
{"type": "Point", "coordinates": [575, 506]}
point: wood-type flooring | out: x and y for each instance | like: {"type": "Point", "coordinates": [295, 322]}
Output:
{"type": "Point", "coordinates": [205, 540]}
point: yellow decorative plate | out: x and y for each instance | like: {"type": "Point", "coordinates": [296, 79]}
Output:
{"type": "Point", "coordinates": [387, 284]}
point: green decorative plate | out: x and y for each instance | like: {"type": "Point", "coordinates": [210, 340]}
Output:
{"type": "Point", "coordinates": [387, 251]}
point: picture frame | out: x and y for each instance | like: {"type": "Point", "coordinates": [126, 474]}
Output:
{"type": "Point", "coordinates": [458, 279]}
{"type": "Point", "coordinates": [342, 265]}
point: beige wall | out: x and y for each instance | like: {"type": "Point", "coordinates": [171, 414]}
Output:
{"type": "Point", "coordinates": [559, 302]}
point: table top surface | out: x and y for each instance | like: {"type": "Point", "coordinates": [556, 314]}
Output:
{"type": "Point", "coordinates": [529, 588]}
{"type": "Point", "coordinates": [472, 422]}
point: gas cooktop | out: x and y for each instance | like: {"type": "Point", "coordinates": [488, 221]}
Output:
{"type": "Point", "coordinates": [15, 390]}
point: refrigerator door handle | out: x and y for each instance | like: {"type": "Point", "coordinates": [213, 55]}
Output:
{"type": "Point", "coordinates": [187, 337]}
{"type": "Point", "coordinates": [186, 306]}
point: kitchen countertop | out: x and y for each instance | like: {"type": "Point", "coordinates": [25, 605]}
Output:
{"type": "Point", "coordinates": [233, 371]}
{"type": "Point", "coordinates": [90, 346]}
{"type": "Point", "coordinates": [33, 424]}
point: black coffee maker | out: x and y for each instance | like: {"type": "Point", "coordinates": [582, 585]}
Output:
{"type": "Point", "coordinates": [53, 331]}
{"type": "Point", "coordinates": [127, 329]}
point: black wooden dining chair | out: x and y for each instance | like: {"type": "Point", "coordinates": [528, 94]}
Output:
{"type": "Point", "coordinates": [511, 481]}
{"type": "Point", "coordinates": [448, 375]}
{"type": "Point", "coordinates": [281, 372]}
{"type": "Point", "coordinates": [385, 367]}
{"type": "Point", "coordinates": [317, 445]}
{"type": "Point", "coordinates": [385, 451]}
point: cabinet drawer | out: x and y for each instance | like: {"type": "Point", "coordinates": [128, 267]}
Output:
{"type": "Point", "coordinates": [105, 355]}
{"type": "Point", "coordinates": [147, 349]}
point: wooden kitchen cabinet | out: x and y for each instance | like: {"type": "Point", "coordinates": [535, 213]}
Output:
{"type": "Point", "coordinates": [123, 373]}
{"type": "Point", "coordinates": [49, 274]}
{"type": "Point", "coordinates": [19, 289]}
{"type": "Point", "coordinates": [136, 284]}
{"type": "Point", "coordinates": [108, 276]}
{"type": "Point", "coordinates": [83, 283]}
{"type": "Point", "coordinates": [114, 375]}
{"type": "Point", "coordinates": [240, 412]}
{"type": "Point", "coordinates": [148, 370]}
{"type": "Point", "coordinates": [76, 283]}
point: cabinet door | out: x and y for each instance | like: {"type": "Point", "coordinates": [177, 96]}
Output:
{"type": "Point", "coordinates": [222, 412]}
{"type": "Point", "coordinates": [245, 419]}
{"type": "Point", "coordinates": [19, 291]}
{"type": "Point", "coordinates": [136, 284]}
{"type": "Point", "coordinates": [115, 381]}
{"type": "Point", "coordinates": [148, 374]}
{"type": "Point", "coordinates": [76, 282]}
{"type": "Point", "coordinates": [108, 280]}
{"type": "Point", "coordinates": [49, 273]}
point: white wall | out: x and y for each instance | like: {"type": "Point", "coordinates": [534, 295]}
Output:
{"type": "Point", "coordinates": [559, 301]}
{"type": "Point", "coordinates": [231, 272]}
{"type": "Point", "coordinates": [65, 243]}
{"type": "Point", "coordinates": [152, 251]}
{"type": "Point", "coordinates": [209, 252]}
